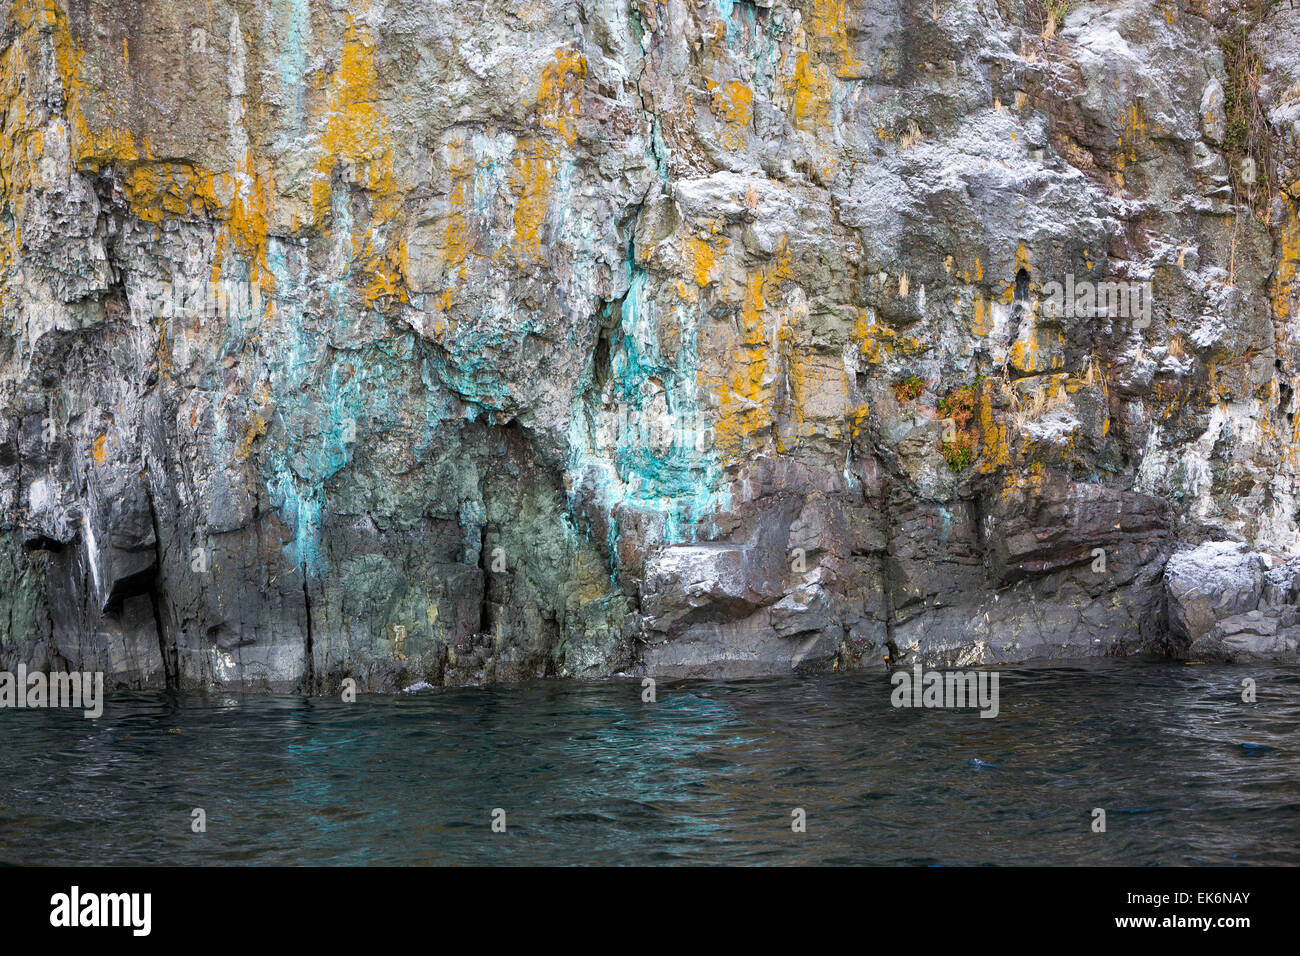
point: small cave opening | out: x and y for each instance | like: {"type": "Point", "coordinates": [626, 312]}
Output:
{"type": "Point", "coordinates": [1022, 286]}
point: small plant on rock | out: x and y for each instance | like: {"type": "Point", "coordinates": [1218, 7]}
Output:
{"type": "Point", "coordinates": [907, 389]}
{"type": "Point", "coordinates": [957, 444]}
{"type": "Point", "coordinates": [959, 452]}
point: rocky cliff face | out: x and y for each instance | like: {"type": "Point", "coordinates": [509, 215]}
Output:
{"type": "Point", "coordinates": [439, 341]}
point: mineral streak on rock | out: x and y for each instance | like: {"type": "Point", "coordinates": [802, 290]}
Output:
{"type": "Point", "coordinates": [425, 341]}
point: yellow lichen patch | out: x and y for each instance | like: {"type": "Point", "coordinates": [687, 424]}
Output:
{"type": "Point", "coordinates": [246, 231]}
{"type": "Point", "coordinates": [20, 148]}
{"type": "Point", "coordinates": [734, 103]}
{"type": "Point", "coordinates": [822, 59]}
{"type": "Point", "coordinates": [858, 419]}
{"type": "Point", "coordinates": [532, 178]}
{"type": "Point", "coordinates": [972, 275]}
{"type": "Point", "coordinates": [456, 243]}
{"type": "Point", "coordinates": [743, 391]}
{"type": "Point", "coordinates": [258, 422]}
{"type": "Point", "coordinates": [90, 149]}
{"type": "Point", "coordinates": [1023, 259]}
{"type": "Point", "coordinates": [355, 133]}
{"type": "Point", "coordinates": [828, 26]}
{"type": "Point", "coordinates": [387, 274]}
{"type": "Point", "coordinates": [155, 191]}
{"type": "Point", "coordinates": [1024, 354]}
{"type": "Point", "coordinates": [100, 449]}
{"type": "Point", "coordinates": [878, 342]}
{"type": "Point", "coordinates": [994, 452]}
{"type": "Point", "coordinates": [256, 429]}
{"type": "Point", "coordinates": [535, 165]}
{"type": "Point", "coordinates": [1037, 350]}
{"type": "Point", "coordinates": [812, 94]}
{"type": "Point", "coordinates": [557, 93]}
{"type": "Point", "coordinates": [699, 260]}
{"type": "Point", "coordinates": [357, 144]}
{"type": "Point", "coordinates": [1288, 266]}
{"type": "Point", "coordinates": [42, 29]}
{"type": "Point", "coordinates": [1132, 130]}
{"type": "Point", "coordinates": [1024, 483]}
{"type": "Point", "coordinates": [981, 324]}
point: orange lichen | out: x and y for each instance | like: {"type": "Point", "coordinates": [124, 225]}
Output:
{"type": "Point", "coordinates": [355, 133]}
{"type": "Point", "coordinates": [1024, 353]}
{"type": "Point", "coordinates": [878, 342]}
{"type": "Point", "coordinates": [557, 93]}
{"type": "Point", "coordinates": [819, 66]}
{"type": "Point", "coordinates": [1132, 129]}
{"type": "Point", "coordinates": [532, 177]}
{"type": "Point", "coordinates": [812, 94]}
{"type": "Point", "coordinates": [734, 103]}
{"type": "Point", "coordinates": [535, 166]}
{"type": "Point", "coordinates": [858, 419]}
{"type": "Point", "coordinates": [744, 392]}
{"type": "Point", "coordinates": [1038, 350]}
{"type": "Point", "coordinates": [256, 429]}
{"type": "Point", "coordinates": [246, 231]}
{"type": "Point", "coordinates": [1288, 266]}
{"type": "Point", "coordinates": [457, 246]}
{"type": "Point", "coordinates": [155, 191]}
{"type": "Point", "coordinates": [828, 26]}
{"type": "Point", "coordinates": [699, 260]}
{"type": "Point", "coordinates": [357, 145]}
{"type": "Point", "coordinates": [995, 452]}
{"type": "Point", "coordinates": [981, 324]}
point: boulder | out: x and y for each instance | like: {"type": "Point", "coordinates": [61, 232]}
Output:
{"type": "Point", "coordinates": [1249, 637]}
{"type": "Point", "coordinates": [1210, 583]}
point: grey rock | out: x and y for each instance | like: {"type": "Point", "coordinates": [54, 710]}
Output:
{"type": "Point", "coordinates": [1210, 583]}
{"type": "Point", "coordinates": [1214, 120]}
{"type": "Point", "coordinates": [1246, 638]}
{"type": "Point", "coordinates": [418, 343]}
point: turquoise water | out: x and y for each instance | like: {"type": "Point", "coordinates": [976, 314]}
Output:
{"type": "Point", "coordinates": [710, 773]}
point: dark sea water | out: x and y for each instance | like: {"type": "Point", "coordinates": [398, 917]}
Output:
{"type": "Point", "coordinates": [587, 773]}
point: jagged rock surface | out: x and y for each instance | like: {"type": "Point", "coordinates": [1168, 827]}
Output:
{"type": "Point", "coordinates": [411, 341]}
{"type": "Point", "coordinates": [1227, 603]}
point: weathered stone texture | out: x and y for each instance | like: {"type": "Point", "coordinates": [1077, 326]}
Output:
{"type": "Point", "coordinates": [429, 341]}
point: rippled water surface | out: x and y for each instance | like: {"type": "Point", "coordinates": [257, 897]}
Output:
{"type": "Point", "coordinates": [710, 773]}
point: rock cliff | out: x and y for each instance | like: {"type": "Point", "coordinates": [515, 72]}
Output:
{"type": "Point", "coordinates": [428, 341]}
